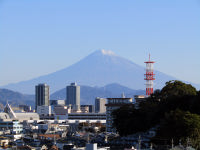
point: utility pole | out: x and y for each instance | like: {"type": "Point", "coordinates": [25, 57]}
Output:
{"type": "Point", "coordinates": [139, 142]}
{"type": "Point", "coordinates": [151, 146]}
{"type": "Point", "coordinates": [172, 141]}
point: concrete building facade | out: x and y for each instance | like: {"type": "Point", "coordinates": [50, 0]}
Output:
{"type": "Point", "coordinates": [14, 126]}
{"type": "Point", "coordinates": [100, 105]}
{"type": "Point", "coordinates": [89, 107]}
{"type": "Point", "coordinates": [87, 116]}
{"type": "Point", "coordinates": [57, 102]}
{"type": "Point", "coordinates": [41, 95]}
{"type": "Point", "coordinates": [44, 110]}
{"type": "Point", "coordinates": [73, 96]}
{"type": "Point", "coordinates": [61, 112]}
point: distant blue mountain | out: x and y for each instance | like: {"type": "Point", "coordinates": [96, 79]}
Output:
{"type": "Point", "coordinates": [15, 98]}
{"type": "Point", "coordinates": [98, 69]}
{"type": "Point", "coordinates": [88, 93]}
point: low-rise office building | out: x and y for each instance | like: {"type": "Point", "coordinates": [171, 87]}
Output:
{"type": "Point", "coordinates": [139, 99]}
{"type": "Point", "coordinates": [25, 108]}
{"type": "Point", "coordinates": [112, 104]}
{"type": "Point", "coordinates": [61, 112]}
{"type": "Point", "coordinates": [44, 110]}
{"type": "Point", "coordinates": [15, 126]}
{"type": "Point", "coordinates": [87, 116]}
{"type": "Point", "coordinates": [89, 107]}
{"type": "Point", "coordinates": [57, 102]}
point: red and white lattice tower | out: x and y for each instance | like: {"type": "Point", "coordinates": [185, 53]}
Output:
{"type": "Point", "coordinates": [149, 76]}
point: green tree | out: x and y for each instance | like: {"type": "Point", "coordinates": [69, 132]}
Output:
{"type": "Point", "coordinates": [180, 125]}
{"type": "Point", "coordinates": [159, 108]}
{"type": "Point", "coordinates": [177, 88]}
{"type": "Point", "coordinates": [175, 94]}
{"type": "Point", "coordinates": [122, 118]}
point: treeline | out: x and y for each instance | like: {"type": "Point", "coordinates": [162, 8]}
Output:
{"type": "Point", "coordinates": [174, 110]}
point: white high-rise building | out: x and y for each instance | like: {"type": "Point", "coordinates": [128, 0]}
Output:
{"type": "Point", "coordinates": [73, 96]}
{"type": "Point", "coordinates": [100, 105]}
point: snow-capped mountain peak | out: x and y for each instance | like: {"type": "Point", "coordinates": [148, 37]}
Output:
{"type": "Point", "coordinates": [107, 52]}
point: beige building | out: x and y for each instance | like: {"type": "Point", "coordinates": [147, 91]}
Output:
{"type": "Point", "coordinates": [100, 105]}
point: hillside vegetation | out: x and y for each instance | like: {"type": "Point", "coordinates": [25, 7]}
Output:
{"type": "Point", "coordinates": [175, 110]}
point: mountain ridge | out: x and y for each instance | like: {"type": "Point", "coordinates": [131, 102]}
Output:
{"type": "Point", "coordinates": [15, 98]}
{"type": "Point", "coordinates": [88, 94]}
{"type": "Point", "coordinates": [97, 69]}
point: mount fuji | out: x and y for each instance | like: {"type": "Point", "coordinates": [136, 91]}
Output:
{"type": "Point", "coordinates": [100, 68]}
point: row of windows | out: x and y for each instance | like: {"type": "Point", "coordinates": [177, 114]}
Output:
{"type": "Point", "coordinates": [112, 108]}
{"type": "Point", "coordinates": [87, 118]}
{"type": "Point", "coordinates": [87, 115]}
{"type": "Point", "coordinates": [120, 101]}
{"type": "Point", "coordinates": [17, 128]}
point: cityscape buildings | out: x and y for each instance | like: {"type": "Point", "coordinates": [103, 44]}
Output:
{"type": "Point", "coordinates": [57, 102]}
{"type": "Point", "coordinates": [63, 116]}
{"type": "Point", "coordinates": [15, 126]}
{"type": "Point", "coordinates": [62, 122]}
{"type": "Point", "coordinates": [25, 108]}
{"type": "Point", "coordinates": [89, 107]}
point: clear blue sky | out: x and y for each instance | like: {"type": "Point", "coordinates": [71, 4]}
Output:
{"type": "Point", "coordinates": [38, 37]}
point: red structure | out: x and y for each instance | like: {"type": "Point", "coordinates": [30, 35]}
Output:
{"type": "Point", "coordinates": [149, 76]}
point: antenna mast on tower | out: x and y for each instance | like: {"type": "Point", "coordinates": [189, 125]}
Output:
{"type": "Point", "coordinates": [149, 76]}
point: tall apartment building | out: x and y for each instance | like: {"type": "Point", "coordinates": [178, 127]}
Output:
{"type": "Point", "coordinates": [100, 105]}
{"type": "Point", "coordinates": [73, 96]}
{"type": "Point", "coordinates": [112, 104]}
{"type": "Point", "coordinates": [41, 95]}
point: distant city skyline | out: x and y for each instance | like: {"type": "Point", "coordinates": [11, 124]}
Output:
{"type": "Point", "coordinates": [41, 37]}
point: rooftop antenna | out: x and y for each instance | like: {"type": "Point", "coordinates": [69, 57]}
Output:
{"type": "Point", "coordinates": [172, 143]}
{"type": "Point", "coordinates": [180, 142]}
{"type": "Point", "coordinates": [149, 57]}
{"type": "Point", "coordinates": [139, 143]}
{"type": "Point", "coordinates": [123, 95]}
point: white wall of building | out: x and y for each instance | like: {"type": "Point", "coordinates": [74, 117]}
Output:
{"type": "Point", "coordinates": [44, 110]}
